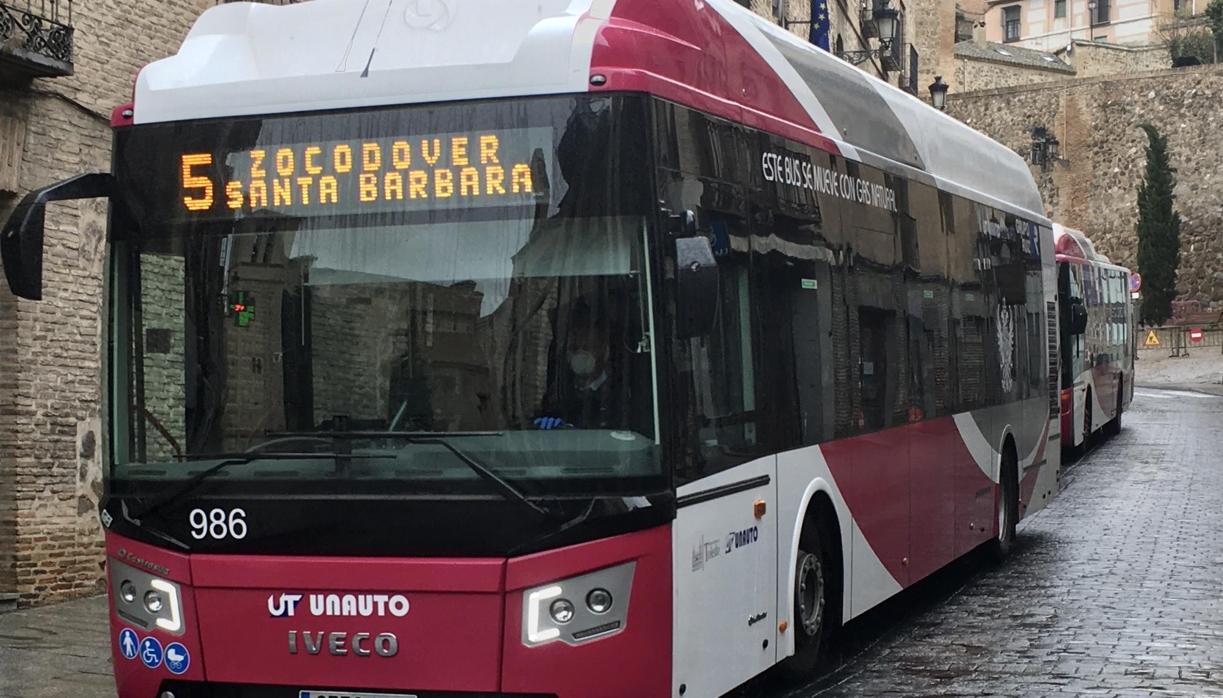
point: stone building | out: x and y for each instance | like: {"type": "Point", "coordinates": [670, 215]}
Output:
{"type": "Point", "coordinates": [1094, 186]}
{"type": "Point", "coordinates": [920, 50]}
{"type": "Point", "coordinates": [1049, 25]}
{"type": "Point", "coordinates": [985, 65]}
{"type": "Point", "coordinates": [63, 66]}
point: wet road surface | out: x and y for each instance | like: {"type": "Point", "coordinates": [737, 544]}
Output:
{"type": "Point", "coordinates": [1116, 589]}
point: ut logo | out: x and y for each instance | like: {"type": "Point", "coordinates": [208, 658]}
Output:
{"type": "Point", "coordinates": [285, 606]}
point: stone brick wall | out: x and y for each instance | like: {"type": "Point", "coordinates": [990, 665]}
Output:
{"type": "Point", "coordinates": [1096, 60]}
{"type": "Point", "coordinates": [50, 370]}
{"type": "Point", "coordinates": [1096, 120]}
{"type": "Point", "coordinates": [933, 35]}
{"type": "Point", "coordinates": [972, 74]}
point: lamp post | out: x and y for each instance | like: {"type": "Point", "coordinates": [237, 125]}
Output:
{"type": "Point", "coordinates": [938, 93]}
{"type": "Point", "coordinates": [1091, 20]}
{"type": "Point", "coordinates": [887, 19]}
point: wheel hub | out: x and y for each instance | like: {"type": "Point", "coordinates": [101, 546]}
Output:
{"type": "Point", "coordinates": [811, 594]}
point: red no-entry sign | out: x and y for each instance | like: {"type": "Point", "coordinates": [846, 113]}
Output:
{"type": "Point", "coordinates": [1195, 335]}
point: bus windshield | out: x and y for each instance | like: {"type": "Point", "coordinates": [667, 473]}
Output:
{"type": "Point", "coordinates": [417, 289]}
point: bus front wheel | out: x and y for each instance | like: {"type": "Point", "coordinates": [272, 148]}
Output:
{"type": "Point", "coordinates": [813, 609]}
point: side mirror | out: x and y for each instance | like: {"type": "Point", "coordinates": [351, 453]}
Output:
{"type": "Point", "coordinates": [1078, 317]}
{"type": "Point", "coordinates": [696, 284]}
{"type": "Point", "coordinates": [21, 239]}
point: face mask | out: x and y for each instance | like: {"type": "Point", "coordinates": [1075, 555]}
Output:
{"type": "Point", "coordinates": [582, 363]}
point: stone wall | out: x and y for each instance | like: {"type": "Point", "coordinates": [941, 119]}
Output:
{"type": "Point", "coordinates": [50, 368]}
{"type": "Point", "coordinates": [972, 74]}
{"type": "Point", "coordinates": [1096, 120]}
{"type": "Point", "coordinates": [1097, 60]}
{"type": "Point", "coordinates": [933, 35]}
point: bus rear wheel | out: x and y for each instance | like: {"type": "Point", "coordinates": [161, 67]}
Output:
{"type": "Point", "coordinates": [812, 607]}
{"type": "Point", "coordinates": [1008, 506]}
{"type": "Point", "coordinates": [1114, 427]}
{"type": "Point", "coordinates": [1087, 420]}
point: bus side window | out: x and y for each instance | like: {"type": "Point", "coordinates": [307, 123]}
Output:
{"type": "Point", "coordinates": [715, 386]}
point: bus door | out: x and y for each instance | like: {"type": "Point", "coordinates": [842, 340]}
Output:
{"type": "Point", "coordinates": [724, 536]}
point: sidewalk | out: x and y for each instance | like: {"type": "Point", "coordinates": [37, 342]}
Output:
{"type": "Point", "coordinates": [59, 651]}
{"type": "Point", "coordinates": [1201, 370]}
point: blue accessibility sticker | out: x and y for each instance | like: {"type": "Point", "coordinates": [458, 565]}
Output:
{"type": "Point", "coordinates": [150, 652]}
{"type": "Point", "coordinates": [178, 659]}
{"type": "Point", "coordinates": [128, 643]}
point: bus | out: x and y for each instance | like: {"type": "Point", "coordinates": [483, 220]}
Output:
{"type": "Point", "coordinates": [575, 348]}
{"type": "Point", "coordinates": [1099, 339]}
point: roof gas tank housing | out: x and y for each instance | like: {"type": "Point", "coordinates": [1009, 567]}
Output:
{"type": "Point", "coordinates": [247, 58]}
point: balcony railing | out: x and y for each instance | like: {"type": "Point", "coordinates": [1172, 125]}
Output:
{"type": "Point", "coordinates": [36, 38]}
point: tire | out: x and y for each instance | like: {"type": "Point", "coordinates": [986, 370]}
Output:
{"type": "Point", "coordinates": [815, 610]}
{"type": "Point", "coordinates": [1008, 507]}
{"type": "Point", "coordinates": [1087, 421]}
{"type": "Point", "coordinates": [1114, 426]}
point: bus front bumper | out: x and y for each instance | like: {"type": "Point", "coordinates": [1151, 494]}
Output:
{"type": "Point", "coordinates": [233, 626]}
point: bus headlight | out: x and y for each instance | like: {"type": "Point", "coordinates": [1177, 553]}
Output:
{"type": "Point", "coordinates": [562, 611]}
{"type": "Point", "coordinates": [160, 599]}
{"type": "Point", "coordinates": [153, 602]}
{"type": "Point", "coordinates": [548, 614]}
{"type": "Point", "coordinates": [599, 601]}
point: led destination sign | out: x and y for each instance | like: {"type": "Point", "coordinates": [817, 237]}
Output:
{"type": "Point", "coordinates": [443, 171]}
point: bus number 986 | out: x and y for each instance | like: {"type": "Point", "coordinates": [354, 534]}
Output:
{"type": "Point", "coordinates": [218, 524]}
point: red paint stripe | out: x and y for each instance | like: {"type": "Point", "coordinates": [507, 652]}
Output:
{"type": "Point", "coordinates": [695, 58]}
{"type": "Point", "coordinates": [347, 574]}
{"type": "Point", "coordinates": [552, 565]}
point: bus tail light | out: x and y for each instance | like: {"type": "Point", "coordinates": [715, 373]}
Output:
{"type": "Point", "coordinates": [578, 609]}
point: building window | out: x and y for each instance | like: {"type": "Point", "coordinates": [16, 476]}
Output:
{"type": "Point", "coordinates": [1010, 23]}
{"type": "Point", "coordinates": [1059, 9]}
{"type": "Point", "coordinates": [1101, 13]}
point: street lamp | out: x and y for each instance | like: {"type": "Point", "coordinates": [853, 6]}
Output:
{"type": "Point", "coordinates": [887, 18]}
{"type": "Point", "coordinates": [1091, 20]}
{"type": "Point", "coordinates": [1046, 149]}
{"type": "Point", "coordinates": [938, 93]}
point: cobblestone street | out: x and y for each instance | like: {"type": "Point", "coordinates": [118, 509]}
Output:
{"type": "Point", "coordinates": [1114, 590]}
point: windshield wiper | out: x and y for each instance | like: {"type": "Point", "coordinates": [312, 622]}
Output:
{"type": "Point", "coordinates": [238, 459]}
{"type": "Point", "coordinates": [442, 438]}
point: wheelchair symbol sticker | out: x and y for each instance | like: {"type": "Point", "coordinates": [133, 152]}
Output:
{"type": "Point", "coordinates": [150, 653]}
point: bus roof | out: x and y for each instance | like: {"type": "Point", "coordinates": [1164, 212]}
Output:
{"type": "Point", "coordinates": [1072, 244]}
{"type": "Point", "coordinates": [716, 56]}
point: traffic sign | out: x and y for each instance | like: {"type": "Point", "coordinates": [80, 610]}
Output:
{"type": "Point", "coordinates": [1152, 340]}
{"type": "Point", "coordinates": [128, 642]}
{"type": "Point", "coordinates": [150, 652]}
{"type": "Point", "coordinates": [1195, 335]}
{"type": "Point", "coordinates": [178, 659]}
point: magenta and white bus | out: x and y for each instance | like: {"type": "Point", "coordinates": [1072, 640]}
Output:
{"type": "Point", "coordinates": [1098, 342]}
{"type": "Point", "coordinates": [571, 348]}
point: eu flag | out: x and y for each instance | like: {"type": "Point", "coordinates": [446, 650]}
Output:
{"type": "Point", "coordinates": [820, 23]}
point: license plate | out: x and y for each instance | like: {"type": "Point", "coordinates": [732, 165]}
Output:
{"type": "Point", "coordinates": [344, 694]}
